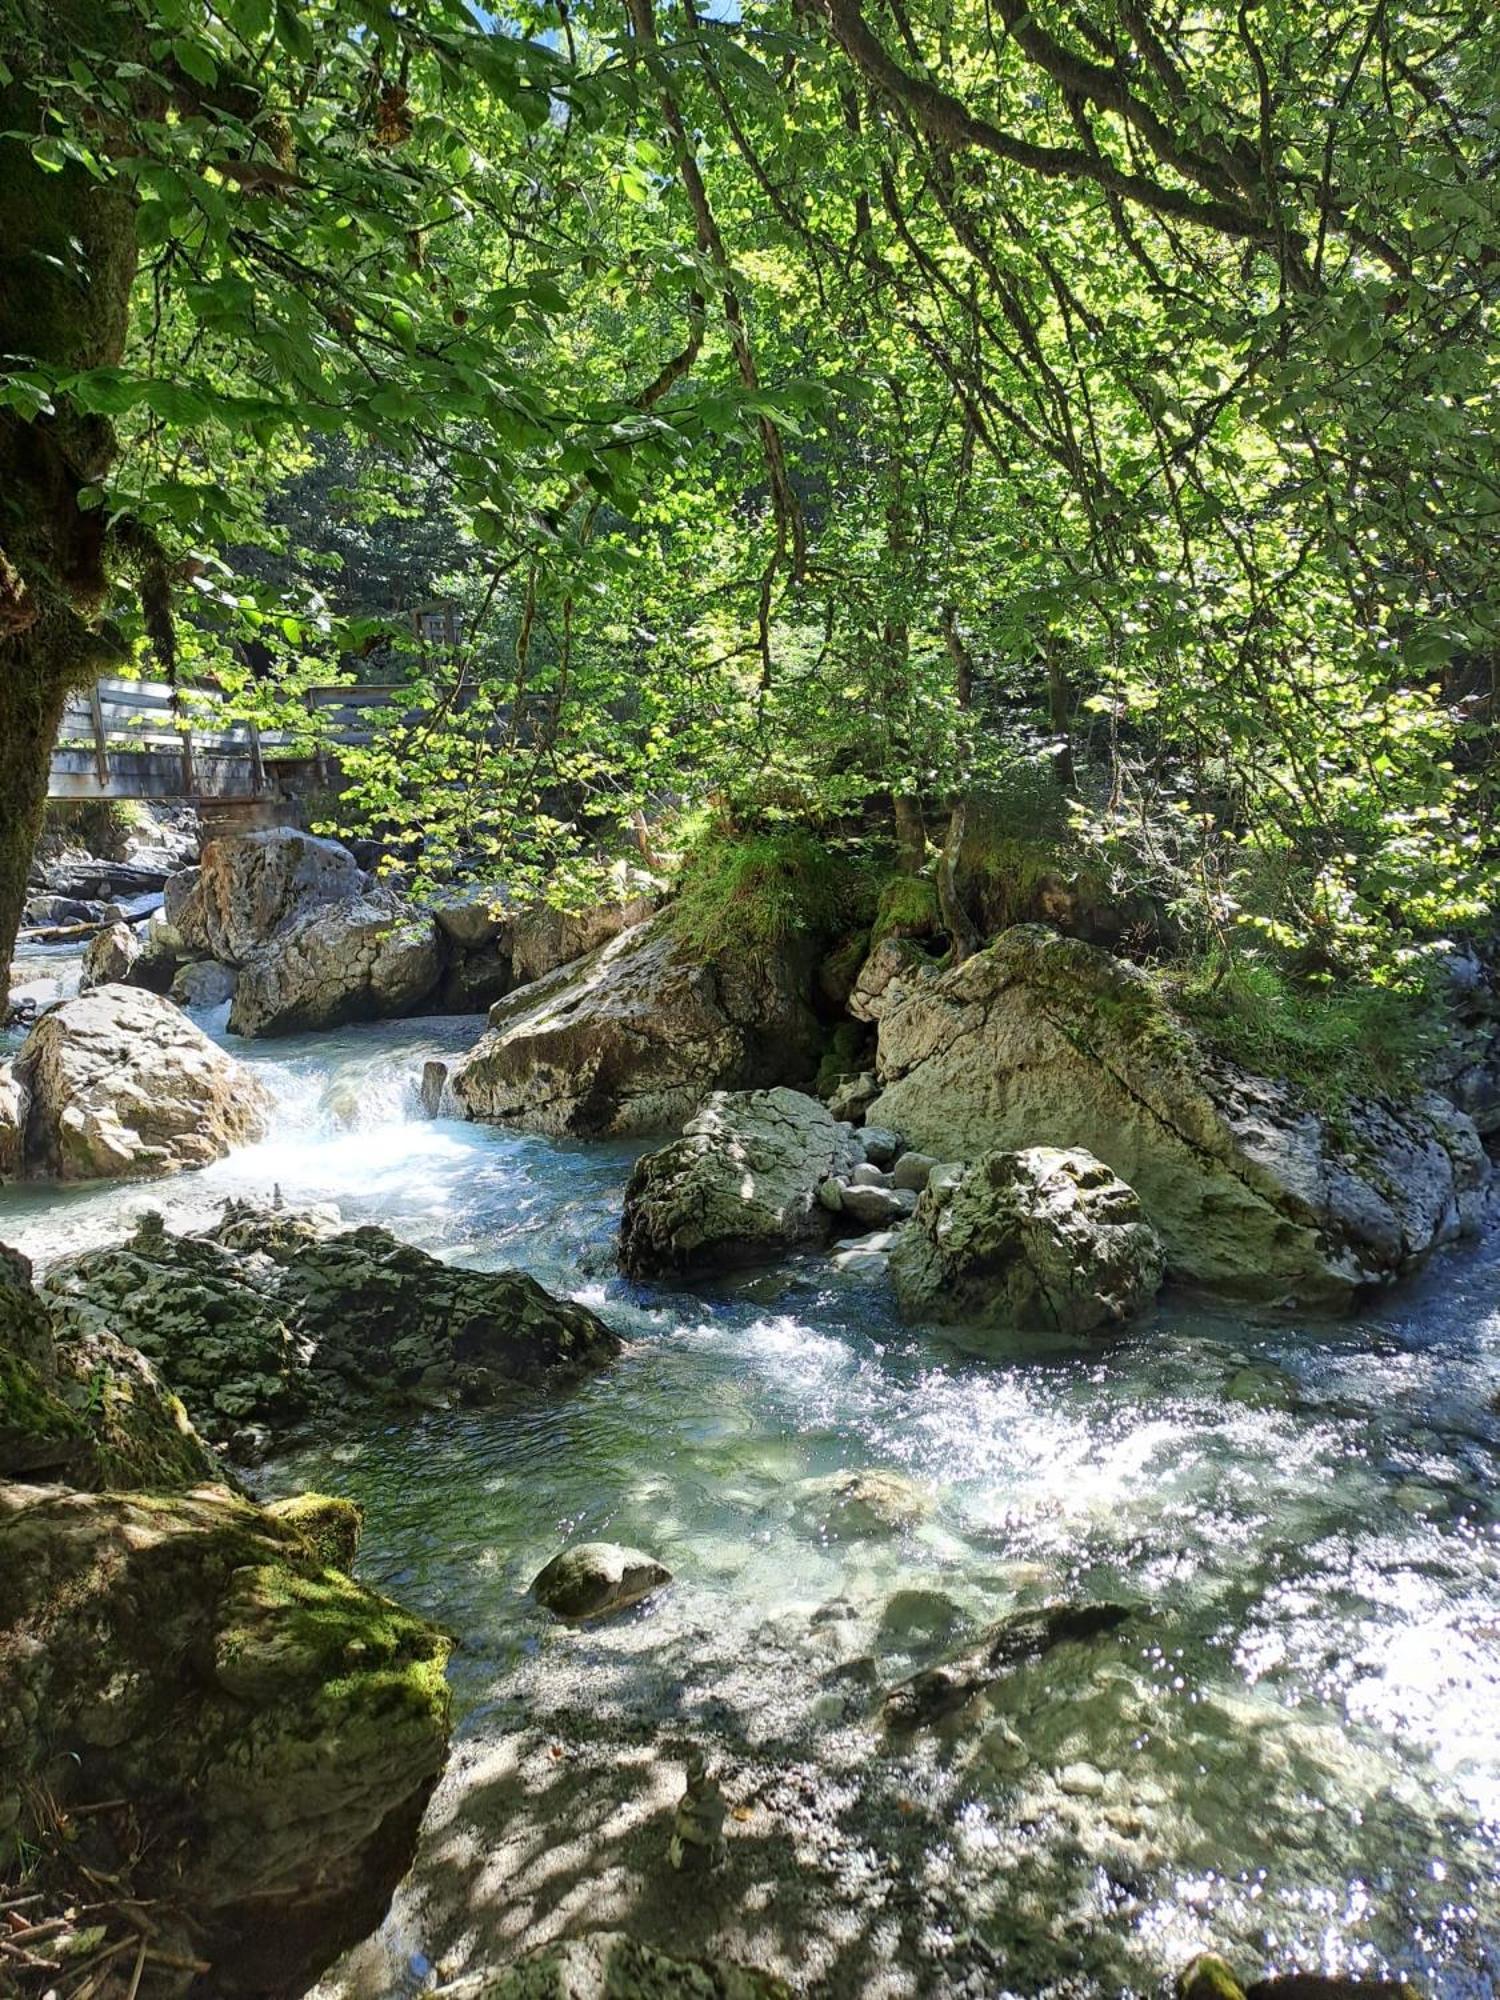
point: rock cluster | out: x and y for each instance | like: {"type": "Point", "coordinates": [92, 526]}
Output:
{"type": "Point", "coordinates": [1043, 1040]}
{"type": "Point", "coordinates": [119, 1082]}
{"type": "Point", "coordinates": [270, 1321]}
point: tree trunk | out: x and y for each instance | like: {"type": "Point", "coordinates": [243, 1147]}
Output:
{"type": "Point", "coordinates": [1060, 713]}
{"type": "Point", "coordinates": [35, 677]}
{"type": "Point", "coordinates": [911, 834]}
{"type": "Point", "coordinates": [960, 926]}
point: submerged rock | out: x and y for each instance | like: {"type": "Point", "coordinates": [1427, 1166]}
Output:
{"type": "Point", "coordinates": [1044, 1239]}
{"type": "Point", "coordinates": [739, 1186]}
{"type": "Point", "coordinates": [279, 1320]}
{"type": "Point", "coordinates": [607, 1965]}
{"type": "Point", "coordinates": [1043, 1040]}
{"type": "Point", "coordinates": [594, 1579]}
{"type": "Point", "coordinates": [942, 1690]}
{"type": "Point", "coordinates": [632, 1038]}
{"type": "Point", "coordinates": [866, 1501]}
{"type": "Point", "coordinates": [273, 1728]}
{"type": "Point", "coordinates": [356, 961]}
{"type": "Point", "coordinates": [1210, 1977]}
{"type": "Point", "coordinates": [121, 1082]}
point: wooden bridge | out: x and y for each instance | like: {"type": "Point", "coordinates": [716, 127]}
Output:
{"type": "Point", "coordinates": [145, 740]}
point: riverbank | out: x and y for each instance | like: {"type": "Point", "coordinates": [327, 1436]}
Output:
{"type": "Point", "coordinates": [1292, 1751]}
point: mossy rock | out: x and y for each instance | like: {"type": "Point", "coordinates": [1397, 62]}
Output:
{"type": "Point", "coordinates": [330, 1526]}
{"type": "Point", "coordinates": [275, 1728]}
{"type": "Point", "coordinates": [908, 908]}
{"type": "Point", "coordinates": [1208, 1978]}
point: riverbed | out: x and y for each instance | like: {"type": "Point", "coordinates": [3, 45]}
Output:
{"type": "Point", "coordinates": [1290, 1750]}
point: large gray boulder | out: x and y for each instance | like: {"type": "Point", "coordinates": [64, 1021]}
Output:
{"type": "Point", "coordinates": [120, 1082]}
{"type": "Point", "coordinates": [1043, 1239]}
{"type": "Point", "coordinates": [1043, 1040]}
{"type": "Point", "coordinates": [739, 1186]}
{"type": "Point", "coordinates": [249, 887]}
{"type": "Point", "coordinates": [358, 961]}
{"type": "Point", "coordinates": [276, 1319]}
{"type": "Point", "coordinates": [596, 1579]}
{"type": "Point", "coordinates": [13, 1107]}
{"type": "Point", "coordinates": [631, 1039]}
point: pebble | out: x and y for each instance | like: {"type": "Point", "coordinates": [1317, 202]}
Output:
{"type": "Point", "coordinates": [1082, 1781]}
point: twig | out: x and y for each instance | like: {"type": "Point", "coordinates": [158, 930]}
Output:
{"type": "Point", "coordinates": [135, 1977]}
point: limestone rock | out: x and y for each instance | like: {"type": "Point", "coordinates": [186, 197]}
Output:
{"type": "Point", "coordinates": [594, 1579]}
{"type": "Point", "coordinates": [608, 1965]}
{"type": "Point", "coordinates": [876, 1207]}
{"type": "Point", "coordinates": [121, 1082]}
{"type": "Point", "coordinates": [279, 1320]}
{"type": "Point", "coordinates": [739, 1186]}
{"type": "Point", "coordinates": [358, 961]}
{"type": "Point", "coordinates": [13, 1110]}
{"type": "Point", "coordinates": [544, 938]}
{"type": "Point", "coordinates": [632, 1038]}
{"type": "Point", "coordinates": [1043, 1040]}
{"type": "Point", "coordinates": [895, 964]}
{"type": "Point", "coordinates": [203, 984]}
{"type": "Point", "coordinates": [1044, 1238]}
{"type": "Point", "coordinates": [250, 886]}
{"type": "Point", "coordinates": [110, 955]}
{"type": "Point", "coordinates": [275, 1728]}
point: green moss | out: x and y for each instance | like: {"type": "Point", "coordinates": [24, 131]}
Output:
{"type": "Point", "coordinates": [36, 1426]}
{"type": "Point", "coordinates": [908, 907]}
{"type": "Point", "coordinates": [1208, 1978]}
{"type": "Point", "coordinates": [850, 1049]}
{"type": "Point", "coordinates": [763, 890]}
{"type": "Point", "coordinates": [330, 1526]}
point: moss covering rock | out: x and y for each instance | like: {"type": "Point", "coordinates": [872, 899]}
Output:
{"type": "Point", "coordinates": [273, 1728]}
{"type": "Point", "coordinates": [276, 1320]}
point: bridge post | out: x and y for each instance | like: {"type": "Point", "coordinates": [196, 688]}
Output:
{"type": "Point", "coordinates": [101, 742]}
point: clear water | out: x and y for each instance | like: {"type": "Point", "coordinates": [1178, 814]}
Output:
{"type": "Point", "coordinates": [1292, 1752]}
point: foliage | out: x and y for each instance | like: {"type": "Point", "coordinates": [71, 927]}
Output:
{"type": "Point", "coordinates": [1332, 1042]}
{"type": "Point", "coordinates": [758, 891]}
{"type": "Point", "coordinates": [820, 414]}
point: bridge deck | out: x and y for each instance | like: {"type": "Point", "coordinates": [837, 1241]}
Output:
{"type": "Point", "coordinates": [146, 740]}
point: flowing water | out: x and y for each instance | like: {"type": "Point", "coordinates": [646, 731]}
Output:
{"type": "Point", "coordinates": [1291, 1750]}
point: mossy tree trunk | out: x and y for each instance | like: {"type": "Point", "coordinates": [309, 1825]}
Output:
{"type": "Point", "coordinates": [67, 264]}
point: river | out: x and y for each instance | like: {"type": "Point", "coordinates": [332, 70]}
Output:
{"type": "Point", "coordinates": [1291, 1751]}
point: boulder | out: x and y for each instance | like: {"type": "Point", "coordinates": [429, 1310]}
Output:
{"type": "Point", "coordinates": [1044, 1238]}
{"type": "Point", "coordinates": [278, 1319]}
{"type": "Point", "coordinates": [250, 886]}
{"type": "Point", "coordinates": [13, 1109]}
{"type": "Point", "coordinates": [631, 1039]}
{"type": "Point", "coordinates": [204, 984]}
{"type": "Point", "coordinates": [739, 1186]}
{"type": "Point", "coordinates": [608, 1965]}
{"type": "Point", "coordinates": [272, 1729]}
{"type": "Point", "coordinates": [895, 964]}
{"type": "Point", "coordinates": [110, 955]}
{"type": "Point", "coordinates": [78, 1404]}
{"type": "Point", "coordinates": [1044, 1040]}
{"type": "Point", "coordinates": [121, 1082]}
{"type": "Point", "coordinates": [360, 961]}
{"type": "Point", "coordinates": [864, 1208]}
{"type": "Point", "coordinates": [543, 938]}
{"type": "Point", "coordinates": [595, 1579]}
{"type": "Point", "coordinates": [87, 878]}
